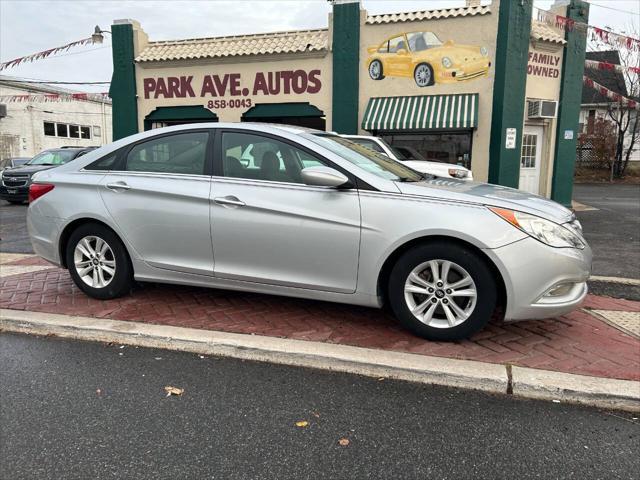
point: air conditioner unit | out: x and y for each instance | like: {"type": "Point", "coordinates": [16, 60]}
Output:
{"type": "Point", "coordinates": [542, 109]}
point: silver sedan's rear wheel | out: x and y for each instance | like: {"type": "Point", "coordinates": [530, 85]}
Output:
{"type": "Point", "coordinates": [442, 290]}
{"type": "Point", "coordinates": [440, 293]}
{"type": "Point", "coordinates": [94, 261]}
{"type": "Point", "coordinates": [98, 262]}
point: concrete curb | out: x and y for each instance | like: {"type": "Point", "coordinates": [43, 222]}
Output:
{"type": "Point", "coordinates": [490, 377]}
{"type": "Point", "coordinates": [602, 392]}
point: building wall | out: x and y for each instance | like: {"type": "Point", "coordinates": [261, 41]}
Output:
{"type": "Point", "coordinates": [248, 71]}
{"type": "Point", "coordinates": [23, 127]}
{"type": "Point", "coordinates": [543, 83]}
{"type": "Point", "coordinates": [477, 30]}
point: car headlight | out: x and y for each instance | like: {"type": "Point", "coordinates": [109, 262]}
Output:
{"type": "Point", "coordinates": [446, 62]}
{"type": "Point", "coordinates": [545, 231]}
{"type": "Point", "coordinates": [458, 173]}
{"type": "Point", "coordinates": [484, 52]}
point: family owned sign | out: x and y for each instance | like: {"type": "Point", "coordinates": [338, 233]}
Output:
{"type": "Point", "coordinates": [218, 86]}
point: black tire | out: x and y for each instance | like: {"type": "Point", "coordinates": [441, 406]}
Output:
{"type": "Point", "coordinates": [121, 281]}
{"type": "Point", "coordinates": [475, 267]}
{"type": "Point", "coordinates": [380, 71]}
{"type": "Point", "coordinates": [429, 71]}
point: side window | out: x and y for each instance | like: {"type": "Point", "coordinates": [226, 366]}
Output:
{"type": "Point", "coordinates": [105, 163]}
{"type": "Point", "coordinates": [245, 155]}
{"type": "Point", "coordinates": [384, 48]}
{"type": "Point", "coordinates": [396, 44]}
{"type": "Point", "coordinates": [183, 153]}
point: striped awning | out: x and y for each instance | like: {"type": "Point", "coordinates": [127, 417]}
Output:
{"type": "Point", "coordinates": [425, 112]}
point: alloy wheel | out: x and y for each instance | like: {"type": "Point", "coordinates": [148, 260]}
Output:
{"type": "Point", "coordinates": [375, 70]}
{"type": "Point", "coordinates": [423, 75]}
{"type": "Point", "coordinates": [94, 261]}
{"type": "Point", "coordinates": [440, 293]}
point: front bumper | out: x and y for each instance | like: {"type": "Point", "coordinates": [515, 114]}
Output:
{"type": "Point", "coordinates": [14, 193]}
{"type": "Point", "coordinates": [467, 71]}
{"type": "Point", "coordinates": [542, 281]}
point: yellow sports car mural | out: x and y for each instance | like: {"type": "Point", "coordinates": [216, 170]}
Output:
{"type": "Point", "coordinates": [424, 57]}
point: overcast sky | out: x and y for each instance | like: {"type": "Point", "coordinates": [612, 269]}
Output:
{"type": "Point", "coordinates": [29, 26]}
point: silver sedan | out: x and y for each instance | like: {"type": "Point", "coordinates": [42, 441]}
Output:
{"type": "Point", "coordinates": [287, 211]}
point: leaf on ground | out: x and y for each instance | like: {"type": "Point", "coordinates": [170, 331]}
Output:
{"type": "Point", "coordinates": [315, 414]}
{"type": "Point", "coordinates": [173, 390]}
{"type": "Point", "coordinates": [344, 442]}
{"type": "Point", "coordinates": [302, 423]}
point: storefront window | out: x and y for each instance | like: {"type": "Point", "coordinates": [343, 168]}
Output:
{"type": "Point", "coordinates": [452, 148]}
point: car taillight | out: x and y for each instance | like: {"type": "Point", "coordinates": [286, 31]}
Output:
{"type": "Point", "coordinates": [36, 190]}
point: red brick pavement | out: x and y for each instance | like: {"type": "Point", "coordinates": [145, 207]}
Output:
{"type": "Point", "coordinates": [576, 343]}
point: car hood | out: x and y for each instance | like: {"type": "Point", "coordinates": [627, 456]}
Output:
{"type": "Point", "coordinates": [459, 52]}
{"type": "Point", "coordinates": [30, 169]}
{"type": "Point", "coordinates": [490, 195]}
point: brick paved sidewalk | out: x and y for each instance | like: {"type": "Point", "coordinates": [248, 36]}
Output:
{"type": "Point", "coordinates": [576, 343]}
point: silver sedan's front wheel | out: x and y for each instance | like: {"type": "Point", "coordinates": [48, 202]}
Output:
{"type": "Point", "coordinates": [440, 293]}
{"type": "Point", "coordinates": [94, 261]}
{"type": "Point", "coordinates": [442, 290]}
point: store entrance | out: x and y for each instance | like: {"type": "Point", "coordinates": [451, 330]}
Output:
{"type": "Point", "coordinates": [445, 147]}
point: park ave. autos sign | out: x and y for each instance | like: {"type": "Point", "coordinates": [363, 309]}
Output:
{"type": "Point", "coordinates": [231, 90]}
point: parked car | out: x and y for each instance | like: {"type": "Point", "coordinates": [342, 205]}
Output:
{"type": "Point", "coordinates": [16, 179]}
{"type": "Point", "coordinates": [320, 217]}
{"type": "Point", "coordinates": [413, 160]}
{"type": "Point", "coordinates": [425, 58]}
{"type": "Point", "coordinates": [13, 162]}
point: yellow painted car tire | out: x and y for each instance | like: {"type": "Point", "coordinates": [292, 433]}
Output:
{"type": "Point", "coordinates": [423, 75]}
{"type": "Point", "coordinates": [375, 70]}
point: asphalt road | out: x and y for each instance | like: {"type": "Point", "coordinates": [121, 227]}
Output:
{"type": "Point", "coordinates": [88, 410]}
{"type": "Point", "coordinates": [613, 231]}
{"type": "Point", "coordinates": [13, 228]}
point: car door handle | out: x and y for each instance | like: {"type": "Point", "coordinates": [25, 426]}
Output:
{"type": "Point", "coordinates": [233, 201]}
{"type": "Point", "coordinates": [117, 186]}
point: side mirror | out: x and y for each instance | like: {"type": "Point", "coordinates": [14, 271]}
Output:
{"type": "Point", "coordinates": [321, 176]}
{"type": "Point", "coordinates": [401, 51]}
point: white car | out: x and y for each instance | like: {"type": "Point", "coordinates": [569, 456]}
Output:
{"type": "Point", "coordinates": [439, 169]}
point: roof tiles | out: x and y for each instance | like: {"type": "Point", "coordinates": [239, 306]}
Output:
{"type": "Point", "coordinates": [220, 47]}
{"type": "Point", "coordinates": [428, 14]}
{"type": "Point", "coordinates": [541, 31]}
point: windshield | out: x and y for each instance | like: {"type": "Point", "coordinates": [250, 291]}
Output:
{"type": "Point", "coordinates": [365, 158]}
{"type": "Point", "coordinates": [419, 41]}
{"type": "Point", "coordinates": [55, 157]}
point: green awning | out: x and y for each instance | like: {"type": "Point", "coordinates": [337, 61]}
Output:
{"type": "Point", "coordinates": [266, 110]}
{"type": "Point", "coordinates": [192, 112]}
{"type": "Point", "coordinates": [425, 112]}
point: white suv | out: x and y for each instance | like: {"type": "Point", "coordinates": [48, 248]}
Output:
{"type": "Point", "coordinates": [439, 169]}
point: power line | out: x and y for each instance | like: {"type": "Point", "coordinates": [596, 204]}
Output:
{"type": "Point", "coordinates": [613, 8]}
{"type": "Point", "coordinates": [54, 82]}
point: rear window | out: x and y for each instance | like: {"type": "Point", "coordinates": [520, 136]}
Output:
{"type": "Point", "coordinates": [53, 157]}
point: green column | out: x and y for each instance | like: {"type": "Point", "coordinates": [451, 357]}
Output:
{"type": "Point", "coordinates": [509, 90]}
{"type": "Point", "coordinates": [346, 55]}
{"type": "Point", "coordinates": [569, 107]}
{"type": "Point", "coordinates": [123, 82]}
